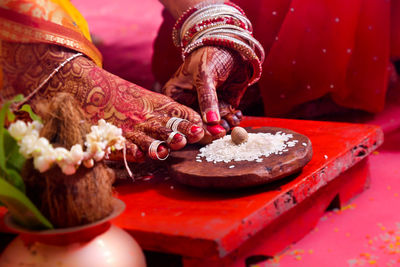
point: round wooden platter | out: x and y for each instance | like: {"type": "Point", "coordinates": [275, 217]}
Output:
{"type": "Point", "coordinates": [184, 167]}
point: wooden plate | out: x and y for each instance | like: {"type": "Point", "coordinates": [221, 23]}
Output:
{"type": "Point", "coordinates": [184, 168]}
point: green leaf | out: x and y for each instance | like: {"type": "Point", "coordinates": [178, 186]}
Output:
{"type": "Point", "coordinates": [21, 208]}
{"type": "Point", "coordinates": [14, 159]}
{"type": "Point", "coordinates": [17, 98]}
{"type": "Point", "coordinates": [14, 178]}
{"type": "Point", "coordinates": [10, 115]}
{"type": "Point", "coordinates": [28, 109]}
{"type": "Point", "coordinates": [3, 112]}
{"type": "Point", "coordinates": [10, 159]}
{"type": "Point", "coordinates": [12, 186]}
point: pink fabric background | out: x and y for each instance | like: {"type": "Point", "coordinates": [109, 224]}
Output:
{"type": "Point", "coordinates": [124, 32]}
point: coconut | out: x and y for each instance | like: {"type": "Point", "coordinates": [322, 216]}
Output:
{"type": "Point", "coordinates": [68, 200]}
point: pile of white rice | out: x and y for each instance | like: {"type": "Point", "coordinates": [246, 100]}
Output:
{"type": "Point", "coordinates": [257, 146]}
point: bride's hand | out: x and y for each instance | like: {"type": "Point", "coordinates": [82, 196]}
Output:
{"type": "Point", "coordinates": [212, 80]}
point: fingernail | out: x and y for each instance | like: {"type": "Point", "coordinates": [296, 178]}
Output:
{"type": "Point", "coordinates": [177, 138]}
{"type": "Point", "coordinates": [239, 114]}
{"type": "Point", "coordinates": [215, 129]}
{"type": "Point", "coordinates": [195, 129]}
{"type": "Point", "coordinates": [236, 120]}
{"type": "Point", "coordinates": [162, 151]}
{"type": "Point", "coordinates": [212, 116]}
{"type": "Point", "coordinates": [225, 124]}
{"type": "Point", "coordinates": [161, 148]}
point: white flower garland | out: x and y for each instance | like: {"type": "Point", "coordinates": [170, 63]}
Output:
{"type": "Point", "coordinates": [102, 139]}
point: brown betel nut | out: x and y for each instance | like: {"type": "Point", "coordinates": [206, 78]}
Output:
{"type": "Point", "coordinates": [239, 135]}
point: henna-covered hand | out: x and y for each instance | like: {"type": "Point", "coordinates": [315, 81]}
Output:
{"type": "Point", "coordinates": [142, 114]}
{"type": "Point", "coordinates": [212, 80]}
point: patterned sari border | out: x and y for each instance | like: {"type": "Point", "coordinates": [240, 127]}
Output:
{"type": "Point", "coordinates": [22, 28]}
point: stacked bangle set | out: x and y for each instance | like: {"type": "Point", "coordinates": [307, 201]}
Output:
{"type": "Point", "coordinates": [219, 24]}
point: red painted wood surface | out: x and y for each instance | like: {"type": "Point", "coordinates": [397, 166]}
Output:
{"type": "Point", "coordinates": [165, 216]}
{"type": "Point", "coordinates": [205, 226]}
{"type": "Point", "coordinates": [294, 224]}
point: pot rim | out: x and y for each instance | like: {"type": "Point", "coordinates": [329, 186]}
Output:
{"type": "Point", "coordinates": [117, 204]}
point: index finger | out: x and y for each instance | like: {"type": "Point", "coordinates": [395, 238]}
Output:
{"type": "Point", "coordinates": [208, 101]}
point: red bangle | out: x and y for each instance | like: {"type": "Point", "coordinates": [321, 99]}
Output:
{"type": "Point", "coordinates": [185, 15]}
{"type": "Point", "coordinates": [211, 23]}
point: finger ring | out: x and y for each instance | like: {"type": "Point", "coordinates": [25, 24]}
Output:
{"type": "Point", "coordinates": [173, 123]}
{"type": "Point", "coordinates": [171, 136]}
{"type": "Point", "coordinates": [153, 150]}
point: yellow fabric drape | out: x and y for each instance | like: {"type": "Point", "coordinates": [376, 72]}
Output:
{"type": "Point", "coordinates": [75, 15]}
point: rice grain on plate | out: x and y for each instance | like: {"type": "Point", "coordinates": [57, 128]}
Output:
{"type": "Point", "coordinates": [258, 145]}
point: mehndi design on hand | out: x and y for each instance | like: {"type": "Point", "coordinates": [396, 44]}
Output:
{"type": "Point", "coordinates": [140, 113]}
{"type": "Point", "coordinates": [213, 81]}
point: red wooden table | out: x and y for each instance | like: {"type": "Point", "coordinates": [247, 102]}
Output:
{"type": "Point", "coordinates": [223, 228]}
